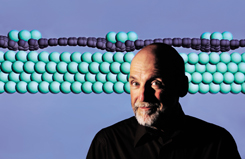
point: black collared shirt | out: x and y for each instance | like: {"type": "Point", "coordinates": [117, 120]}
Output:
{"type": "Point", "coordinates": [190, 138]}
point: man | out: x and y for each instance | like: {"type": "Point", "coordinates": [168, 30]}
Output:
{"type": "Point", "coordinates": [160, 129]}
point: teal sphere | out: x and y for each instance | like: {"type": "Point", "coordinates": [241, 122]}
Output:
{"type": "Point", "coordinates": [83, 67]}
{"type": "Point", "coordinates": [61, 67]}
{"type": "Point", "coordinates": [21, 87]}
{"type": "Point", "coordinates": [203, 58]}
{"type": "Point", "coordinates": [36, 77]}
{"type": "Point", "coordinates": [228, 78]}
{"type": "Point", "coordinates": [51, 67]}
{"type": "Point", "coordinates": [43, 87]}
{"type": "Point", "coordinates": [128, 57]}
{"type": "Point", "coordinates": [239, 77]}
{"type": "Point", "coordinates": [118, 87]}
{"type": "Point", "coordinates": [207, 77]}
{"type": "Point", "coordinates": [241, 67]}
{"type": "Point", "coordinates": [122, 77]}
{"type": "Point", "coordinates": [6, 66]}
{"type": "Point", "coordinates": [189, 68]}
{"type": "Point", "coordinates": [33, 56]}
{"type": "Point", "coordinates": [243, 88]}
{"type": "Point", "coordinates": [54, 87]}
{"type": "Point", "coordinates": [4, 77]}
{"type": "Point", "coordinates": [54, 56]}
{"type": "Point", "coordinates": [225, 88]}
{"type": "Point", "coordinates": [32, 87]}
{"type": "Point", "coordinates": [218, 77]}
{"type": "Point", "coordinates": [210, 68]}
{"type": "Point", "coordinates": [104, 67]}
{"type": "Point", "coordinates": [221, 67]}
{"type": "Point", "coordinates": [203, 88]}
{"type": "Point", "coordinates": [69, 77]}
{"type": "Point", "coordinates": [214, 88]}
{"type": "Point", "coordinates": [200, 68]}
{"type": "Point", "coordinates": [236, 57]}
{"type": "Point", "coordinates": [107, 57]}
{"type": "Point", "coordinates": [47, 77]}
{"type": "Point", "coordinates": [29, 67]}
{"type": "Point", "coordinates": [14, 77]}
{"type": "Point", "coordinates": [10, 56]}
{"type": "Point", "coordinates": [97, 57]}
{"type": "Point", "coordinates": [21, 56]}
{"type": "Point", "coordinates": [126, 87]}
{"type": "Point", "coordinates": [93, 67]}
{"type": "Point", "coordinates": [115, 67]}
{"type": "Point", "coordinates": [79, 77]}
{"type": "Point", "coordinates": [132, 36]}
{"type": "Point", "coordinates": [43, 56]}
{"type": "Point", "coordinates": [87, 57]}
{"type": "Point", "coordinates": [10, 87]}
{"type": "Point", "coordinates": [216, 35]}
{"type": "Point", "coordinates": [87, 87]}
{"type": "Point", "coordinates": [243, 57]}
{"type": "Point", "coordinates": [76, 57]}
{"type": "Point", "coordinates": [111, 77]}
{"type": "Point", "coordinates": [227, 35]}
{"type": "Point", "coordinates": [192, 58]}
{"type": "Point", "coordinates": [97, 87]}
{"type": "Point", "coordinates": [108, 87]}
{"type": "Point", "coordinates": [13, 35]}
{"type": "Point", "coordinates": [65, 56]}
{"type": "Point", "coordinates": [236, 88]}
{"type": "Point", "coordinates": [193, 88]}
{"type": "Point", "coordinates": [1, 56]}
{"type": "Point", "coordinates": [196, 78]}
{"type": "Point", "coordinates": [101, 77]}
{"type": "Point", "coordinates": [118, 57]}
{"type": "Point", "coordinates": [225, 57]}
{"type": "Point", "coordinates": [125, 68]}
{"type": "Point", "coordinates": [76, 87]}
{"type": "Point", "coordinates": [214, 58]}
{"type": "Point", "coordinates": [1, 87]}
{"type": "Point", "coordinates": [232, 67]}
{"type": "Point", "coordinates": [35, 34]}
{"type": "Point", "coordinates": [58, 77]}
{"type": "Point", "coordinates": [24, 35]}
{"type": "Point", "coordinates": [188, 75]}
{"type": "Point", "coordinates": [65, 87]}
{"type": "Point", "coordinates": [90, 77]}
{"type": "Point", "coordinates": [39, 67]}
{"type": "Point", "coordinates": [111, 37]}
{"type": "Point", "coordinates": [18, 66]}
{"type": "Point", "coordinates": [184, 57]}
{"type": "Point", "coordinates": [26, 77]}
{"type": "Point", "coordinates": [72, 67]}
{"type": "Point", "coordinates": [206, 35]}
{"type": "Point", "coordinates": [121, 36]}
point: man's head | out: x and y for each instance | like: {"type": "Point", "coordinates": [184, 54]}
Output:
{"type": "Point", "coordinates": [157, 80]}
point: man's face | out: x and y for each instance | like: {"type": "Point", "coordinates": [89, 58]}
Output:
{"type": "Point", "coordinates": [149, 97]}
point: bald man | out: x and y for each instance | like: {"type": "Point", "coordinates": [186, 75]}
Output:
{"type": "Point", "coordinates": [160, 129]}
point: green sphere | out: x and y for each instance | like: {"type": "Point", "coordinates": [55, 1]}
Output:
{"type": "Point", "coordinates": [125, 68]}
{"type": "Point", "coordinates": [200, 68]}
{"type": "Point", "coordinates": [118, 57]}
{"type": "Point", "coordinates": [90, 77]}
{"type": "Point", "coordinates": [101, 77]}
{"type": "Point", "coordinates": [87, 87]}
{"type": "Point", "coordinates": [241, 67]}
{"type": "Point", "coordinates": [225, 88]}
{"type": "Point", "coordinates": [54, 87]}
{"type": "Point", "coordinates": [196, 78]}
{"type": "Point", "coordinates": [111, 37]}
{"type": "Point", "coordinates": [43, 56]}
{"type": "Point", "coordinates": [236, 88]}
{"type": "Point", "coordinates": [21, 56]}
{"type": "Point", "coordinates": [118, 87]}
{"type": "Point", "coordinates": [128, 57]}
{"type": "Point", "coordinates": [24, 35]}
{"type": "Point", "coordinates": [189, 68]}
{"type": "Point", "coordinates": [58, 77]}
{"type": "Point", "coordinates": [13, 35]}
{"type": "Point", "coordinates": [43, 87]}
{"type": "Point", "coordinates": [214, 58]}
{"type": "Point", "coordinates": [69, 77]}
{"type": "Point", "coordinates": [97, 87]}
{"type": "Point", "coordinates": [4, 77]}
{"type": "Point", "coordinates": [126, 88]}
{"type": "Point", "coordinates": [83, 67]}
{"type": "Point", "coordinates": [227, 35]}
{"type": "Point", "coordinates": [107, 57]}
{"type": "Point", "coordinates": [97, 57]}
{"type": "Point", "coordinates": [193, 88]}
{"type": "Point", "coordinates": [65, 87]}
{"type": "Point", "coordinates": [184, 57]}
{"type": "Point", "coordinates": [79, 77]}
{"type": "Point", "coordinates": [207, 78]}
{"type": "Point", "coordinates": [18, 66]}
{"type": "Point", "coordinates": [61, 67]}
{"type": "Point", "coordinates": [228, 78]}
{"type": "Point", "coordinates": [188, 75]}
{"type": "Point", "coordinates": [14, 77]}
{"type": "Point", "coordinates": [225, 57]}
{"type": "Point", "coordinates": [54, 56]}
{"type": "Point", "coordinates": [6, 66]}
{"type": "Point", "coordinates": [32, 87]}
{"type": "Point", "coordinates": [87, 57]}
{"type": "Point", "coordinates": [192, 58]}
{"type": "Point", "coordinates": [232, 67]}
{"type": "Point", "coordinates": [47, 77]}
{"type": "Point", "coordinates": [10, 56]}
{"type": "Point", "coordinates": [108, 87]}
{"type": "Point", "coordinates": [36, 77]}
{"type": "Point", "coordinates": [111, 77]}
{"type": "Point", "coordinates": [243, 88]}
{"type": "Point", "coordinates": [203, 88]}
{"type": "Point", "coordinates": [214, 88]}
{"type": "Point", "coordinates": [132, 36]}
{"type": "Point", "coordinates": [10, 87]}
{"type": "Point", "coordinates": [39, 67]}
{"type": "Point", "coordinates": [93, 67]}
{"type": "Point", "coordinates": [239, 78]}
{"type": "Point", "coordinates": [1, 87]}
{"type": "Point", "coordinates": [1, 56]}
{"type": "Point", "coordinates": [221, 67]}
{"type": "Point", "coordinates": [65, 56]}
{"type": "Point", "coordinates": [122, 77]}
{"type": "Point", "coordinates": [104, 67]}
{"type": "Point", "coordinates": [243, 57]}
{"type": "Point", "coordinates": [51, 67]}
{"type": "Point", "coordinates": [203, 58]}
{"type": "Point", "coordinates": [206, 35]}
{"type": "Point", "coordinates": [21, 87]}
{"type": "Point", "coordinates": [72, 67]}
{"type": "Point", "coordinates": [76, 57]}
{"type": "Point", "coordinates": [218, 78]}
{"type": "Point", "coordinates": [121, 36]}
{"type": "Point", "coordinates": [210, 68]}
{"type": "Point", "coordinates": [76, 87]}
{"type": "Point", "coordinates": [33, 56]}
{"type": "Point", "coordinates": [115, 67]}
{"type": "Point", "coordinates": [216, 35]}
{"type": "Point", "coordinates": [26, 77]}
{"type": "Point", "coordinates": [29, 67]}
{"type": "Point", "coordinates": [35, 34]}
{"type": "Point", "coordinates": [236, 57]}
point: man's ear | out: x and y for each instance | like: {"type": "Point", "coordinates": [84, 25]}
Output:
{"type": "Point", "coordinates": [183, 86]}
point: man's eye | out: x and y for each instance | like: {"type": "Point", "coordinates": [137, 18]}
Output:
{"type": "Point", "coordinates": [134, 83]}
{"type": "Point", "coordinates": [157, 84]}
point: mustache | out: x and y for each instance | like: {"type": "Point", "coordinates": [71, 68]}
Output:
{"type": "Point", "coordinates": [146, 104]}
